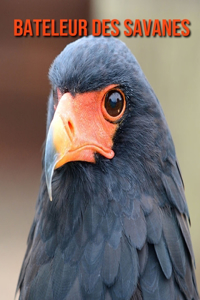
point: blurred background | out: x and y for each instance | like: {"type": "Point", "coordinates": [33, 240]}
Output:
{"type": "Point", "coordinates": [172, 66]}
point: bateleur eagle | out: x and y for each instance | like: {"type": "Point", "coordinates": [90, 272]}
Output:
{"type": "Point", "coordinates": [117, 225]}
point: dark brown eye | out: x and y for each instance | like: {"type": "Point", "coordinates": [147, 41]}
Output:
{"type": "Point", "coordinates": [114, 103]}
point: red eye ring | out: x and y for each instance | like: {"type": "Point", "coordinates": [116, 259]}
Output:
{"type": "Point", "coordinates": [113, 105]}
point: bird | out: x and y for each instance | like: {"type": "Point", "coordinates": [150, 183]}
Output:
{"type": "Point", "coordinates": [111, 219]}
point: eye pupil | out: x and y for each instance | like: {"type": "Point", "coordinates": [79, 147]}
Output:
{"type": "Point", "coordinates": [114, 103]}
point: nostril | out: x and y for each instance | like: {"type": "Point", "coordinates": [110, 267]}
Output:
{"type": "Point", "coordinates": [71, 127]}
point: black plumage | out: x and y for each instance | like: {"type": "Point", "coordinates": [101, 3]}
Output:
{"type": "Point", "coordinates": [117, 228]}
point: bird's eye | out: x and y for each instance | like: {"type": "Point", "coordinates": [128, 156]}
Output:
{"type": "Point", "coordinates": [114, 104]}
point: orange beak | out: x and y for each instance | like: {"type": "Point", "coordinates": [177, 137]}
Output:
{"type": "Point", "coordinates": [77, 132]}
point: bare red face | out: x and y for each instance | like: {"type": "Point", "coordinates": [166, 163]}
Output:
{"type": "Point", "coordinates": [82, 126]}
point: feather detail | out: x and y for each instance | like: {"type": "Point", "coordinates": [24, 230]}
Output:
{"type": "Point", "coordinates": [110, 264]}
{"type": "Point", "coordinates": [63, 276]}
{"type": "Point", "coordinates": [75, 292]}
{"type": "Point", "coordinates": [174, 190]}
{"type": "Point", "coordinates": [187, 285]}
{"type": "Point", "coordinates": [163, 257]}
{"type": "Point", "coordinates": [127, 278]}
{"type": "Point", "coordinates": [143, 256]}
{"type": "Point", "coordinates": [116, 234]}
{"type": "Point", "coordinates": [38, 289]}
{"type": "Point", "coordinates": [154, 225]}
{"type": "Point", "coordinates": [135, 230]}
{"type": "Point", "coordinates": [174, 242]}
{"type": "Point", "coordinates": [91, 220]}
{"type": "Point", "coordinates": [146, 204]}
{"type": "Point", "coordinates": [93, 253]}
{"type": "Point", "coordinates": [182, 221]}
{"type": "Point", "coordinates": [154, 284]}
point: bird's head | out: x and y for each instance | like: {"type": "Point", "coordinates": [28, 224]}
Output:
{"type": "Point", "coordinates": [101, 105]}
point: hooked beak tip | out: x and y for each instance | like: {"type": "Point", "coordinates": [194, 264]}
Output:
{"type": "Point", "coordinates": [50, 160]}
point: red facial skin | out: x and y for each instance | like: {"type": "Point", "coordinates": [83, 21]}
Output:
{"type": "Point", "coordinates": [82, 127]}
